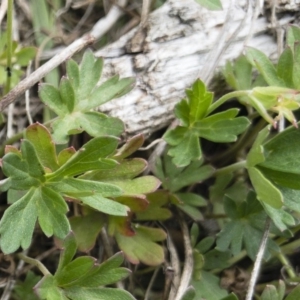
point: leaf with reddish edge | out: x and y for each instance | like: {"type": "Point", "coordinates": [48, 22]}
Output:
{"type": "Point", "coordinates": [126, 169]}
{"type": "Point", "coordinates": [155, 210]}
{"type": "Point", "coordinates": [135, 203]}
{"type": "Point", "coordinates": [132, 145]}
{"type": "Point", "coordinates": [12, 149]}
{"type": "Point", "coordinates": [142, 247]}
{"type": "Point", "coordinates": [86, 229]}
{"type": "Point", "coordinates": [137, 186]}
{"type": "Point", "coordinates": [120, 225]}
{"type": "Point", "coordinates": [42, 141]}
{"type": "Point", "coordinates": [65, 155]}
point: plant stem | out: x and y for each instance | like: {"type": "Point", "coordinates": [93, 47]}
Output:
{"type": "Point", "coordinates": [231, 168]}
{"type": "Point", "coordinates": [34, 262]}
{"type": "Point", "coordinates": [9, 44]}
{"type": "Point", "coordinates": [289, 269]}
{"type": "Point", "coordinates": [224, 98]}
{"type": "Point", "coordinates": [10, 141]}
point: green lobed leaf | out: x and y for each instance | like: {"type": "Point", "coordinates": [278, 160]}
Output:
{"type": "Point", "coordinates": [189, 205]}
{"type": "Point", "coordinates": [232, 296]}
{"type": "Point", "coordinates": [215, 259]}
{"type": "Point", "coordinates": [295, 66]}
{"type": "Point", "coordinates": [182, 112]}
{"type": "Point", "coordinates": [90, 157]}
{"type": "Point", "coordinates": [51, 209]}
{"type": "Point", "coordinates": [137, 186]}
{"type": "Point", "coordinates": [189, 294]}
{"type": "Point", "coordinates": [174, 178]}
{"type": "Point", "coordinates": [269, 293]}
{"type": "Point", "coordinates": [64, 126]}
{"type": "Point", "coordinates": [86, 229]}
{"type": "Point", "coordinates": [239, 74]}
{"type": "Point", "coordinates": [41, 139]}
{"type": "Point", "coordinates": [259, 60]}
{"type": "Point", "coordinates": [222, 127]}
{"type": "Point", "coordinates": [17, 224]}
{"type": "Point", "coordinates": [142, 247]}
{"type": "Point", "coordinates": [176, 136]}
{"type": "Point", "coordinates": [283, 179]}
{"type": "Point", "coordinates": [211, 4]}
{"type": "Point", "coordinates": [64, 155]}
{"type": "Point", "coordinates": [48, 290]}
{"type": "Point", "coordinates": [131, 145]}
{"type": "Point", "coordinates": [187, 151]}
{"type": "Point", "coordinates": [265, 189]}
{"type": "Point", "coordinates": [67, 94]}
{"type": "Point", "coordinates": [80, 187]}
{"type": "Point", "coordinates": [245, 228]}
{"type": "Point", "coordinates": [293, 35]}
{"type": "Point", "coordinates": [155, 209]}
{"type": "Point", "coordinates": [256, 153]}
{"type": "Point", "coordinates": [105, 205]}
{"type": "Point", "coordinates": [205, 244]}
{"type": "Point", "coordinates": [35, 169]}
{"type": "Point", "coordinates": [74, 271]}
{"type": "Point", "coordinates": [68, 251]}
{"type": "Point", "coordinates": [25, 55]}
{"type": "Point", "coordinates": [79, 293]}
{"type": "Point", "coordinates": [98, 124]}
{"type": "Point", "coordinates": [110, 89]}
{"type": "Point", "coordinates": [208, 287]}
{"type": "Point", "coordinates": [126, 169]}
{"type": "Point", "coordinates": [24, 290]}
{"type": "Point", "coordinates": [73, 75]}
{"type": "Point", "coordinates": [285, 67]}
{"type": "Point", "coordinates": [90, 72]}
{"type": "Point", "coordinates": [282, 153]}
{"type": "Point", "coordinates": [135, 203]}
{"type": "Point", "coordinates": [294, 294]}
{"type": "Point", "coordinates": [50, 96]}
{"type": "Point", "coordinates": [106, 273]}
{"type": "Point", "coordinates": [199, 101]}
{"type": "Point", "coordinates": [291, 198]}
{"type": "Point", "coordinates": [281, 219]}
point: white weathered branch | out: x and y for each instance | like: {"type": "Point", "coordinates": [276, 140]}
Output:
{"type": "Point", "coordinates": [172, 50]}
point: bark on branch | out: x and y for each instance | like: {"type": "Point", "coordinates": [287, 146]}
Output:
{"type": "Point", "coordinates": [180, 42]}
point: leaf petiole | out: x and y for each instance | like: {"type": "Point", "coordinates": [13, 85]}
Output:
{"type": "Point", "coordinates": [231, 168]}
{"type": "Point", "coordinates": [35, 263]}
{"type": "Point", "coordinates": [224, 98]}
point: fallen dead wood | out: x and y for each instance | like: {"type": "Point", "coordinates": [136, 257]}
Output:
{"type": "Point", "coordinates": [180, 42]}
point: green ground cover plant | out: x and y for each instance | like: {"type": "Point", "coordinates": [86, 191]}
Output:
{"type": "Point", "coordinates": [250, 186]}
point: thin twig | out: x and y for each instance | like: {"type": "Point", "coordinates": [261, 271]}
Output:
{"type": "Point", "coordinates": [37, 75]}
{"type": "Point", "coordinates": [109, 251]}
{"type": "Point", "coordinates": [188, 261]}
{"type": "Point", "coordinates": [27, 96]}
{"type": "Point", "coordinates": [149, 288]}
{"type": "Point", "coordinates": [258, 260]}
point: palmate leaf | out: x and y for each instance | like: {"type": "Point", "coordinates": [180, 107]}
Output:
{"type": "Point", "coordinates": [18, 221]}
{"type": "Point", "coordinates": [82, 278]}
{"type": "Point", "coordinates": [78, 94]}
{"type": "Point", "coordinates": [142, 246]}
{"type": "Point", "coordinates": [174, 179]}
{"type": "Point", "coordinates": [86, 229]}
{"type": "Point", "coordinates": [24, 290]}
{"type": "Point", "coordinates": [245, 228]}
{"type": "Point", "coordinates": [195, 123]}
{"type": "Point", "coordinates": [208, 287]}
